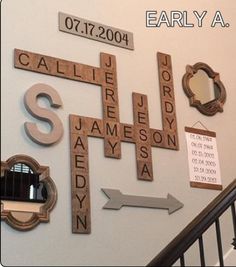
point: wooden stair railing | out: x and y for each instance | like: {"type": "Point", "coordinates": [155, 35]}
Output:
{"type": "Point", "coordinates": [194, 231]}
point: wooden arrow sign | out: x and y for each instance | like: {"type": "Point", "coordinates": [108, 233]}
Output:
{"type": "Point", "coordinates": [117, 200]}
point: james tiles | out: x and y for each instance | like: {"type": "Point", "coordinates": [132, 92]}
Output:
{"type": "Point", "coordinates": [181, 19]}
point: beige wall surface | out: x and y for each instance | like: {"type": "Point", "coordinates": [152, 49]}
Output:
{"type": "Point", "coordinates": [130, 236]}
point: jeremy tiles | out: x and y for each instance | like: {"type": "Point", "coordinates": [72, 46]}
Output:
{"type": "Point", "coordinates": [181, 19]}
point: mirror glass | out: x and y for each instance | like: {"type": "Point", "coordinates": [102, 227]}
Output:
{"type": "Point", "coordinates": [203, 87]}
{"type": "Point", "coordinates": [21, 189]}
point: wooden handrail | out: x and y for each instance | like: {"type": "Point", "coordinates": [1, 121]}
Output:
{"type": "Point", "coordinates": [176, 248]}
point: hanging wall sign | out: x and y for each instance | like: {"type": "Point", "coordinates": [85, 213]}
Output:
{"type": "Point", "coordinates": [95, 31]}
{"type": "Point", "coordinates": [204, 169]}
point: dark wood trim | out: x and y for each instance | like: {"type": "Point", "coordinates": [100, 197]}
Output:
{"type": "Point", "coordinates": [200, 131]}
{"type": "Point", "coordinates": [171, 253]}
{"type": "Point", "coordinates": [206, 185]}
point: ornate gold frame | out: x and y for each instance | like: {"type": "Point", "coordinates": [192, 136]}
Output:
{"type": "Point", "coordinates": [212, 107]}
{"type": "Point", "coordinates": [37, 217]}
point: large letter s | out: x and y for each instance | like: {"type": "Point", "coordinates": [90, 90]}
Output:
{"type": "Point", "coordinates": [31, 129]}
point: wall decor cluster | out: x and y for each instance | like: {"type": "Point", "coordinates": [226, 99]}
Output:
{"type": "Point", "coordinates": [28, 194]}
{"type": "Point", "coordinates": [208, 96]}
{"type": "Point", "coordinates": [109, 128]}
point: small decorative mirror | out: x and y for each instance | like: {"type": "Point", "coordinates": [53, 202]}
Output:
{"type": "Point", "coordinates": [204, 89]}
{"type": "Point", "coordinates": [28, 193]}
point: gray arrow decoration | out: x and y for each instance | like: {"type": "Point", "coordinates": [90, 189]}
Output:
{"type": "Point", "coordinates": [117, 200]}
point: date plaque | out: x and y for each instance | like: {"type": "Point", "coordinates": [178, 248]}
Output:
{"type": "Point", "coordinates": [95, 31]}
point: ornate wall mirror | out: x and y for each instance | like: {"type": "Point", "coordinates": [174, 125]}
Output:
{"type": "Point", "coordinates": [28, 193]}
{"type": "Point", "coordinates": [204, 89]}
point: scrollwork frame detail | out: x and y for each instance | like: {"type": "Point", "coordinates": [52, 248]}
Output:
{"type": "Point", "coordinates": [212, 107]}
{"type": "Point", "coordinates": [37, 217]}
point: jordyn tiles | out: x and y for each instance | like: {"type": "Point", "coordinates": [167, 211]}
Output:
{"type": "Point", "coordinates": [181, 19]}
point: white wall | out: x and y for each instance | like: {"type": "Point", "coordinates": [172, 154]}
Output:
{"type": "Point", "coordinates": [131, 236]}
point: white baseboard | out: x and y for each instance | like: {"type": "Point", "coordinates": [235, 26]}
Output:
{"type": "Point", "coordinates": [229, 258]}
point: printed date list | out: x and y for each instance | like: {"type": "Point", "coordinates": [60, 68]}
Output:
{"type": "Point", "coordinates": [203, 158]}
